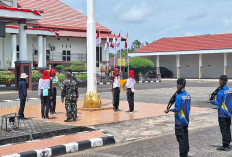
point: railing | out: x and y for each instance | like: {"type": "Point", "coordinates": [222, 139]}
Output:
{"type": "Point", "coordinates": [56, 56]}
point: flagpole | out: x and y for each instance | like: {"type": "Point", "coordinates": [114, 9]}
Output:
{"type": "Point", "coordinates": [99, 52]}
{"type": "Point", "coordinates": [115, 53]}
{"type": "Point", "coordinates": [120, 55]}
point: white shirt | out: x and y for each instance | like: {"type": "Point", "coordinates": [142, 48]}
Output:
{"type": "Point", "coordinates": [116, 82]}
{"type": "Point", "coordinates": [43, 84]}
{"type": "Point", "coordinates": [130, 83]}
{"type": "Point", "coordinates": [54, 79]}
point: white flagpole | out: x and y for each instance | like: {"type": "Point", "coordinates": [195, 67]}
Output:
{"type": "Point", "coordinates": [128, 59]}
{"type": "Point", "coordinates": [107, 64]}
{"type": "Point", "coordinates": [115, 53]}
{"type": "Point", "coordinates": [99, 53]}
{"type": "Point", "coordinates": [120, 55]}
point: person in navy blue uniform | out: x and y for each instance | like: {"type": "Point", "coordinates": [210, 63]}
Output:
{"type": "Point", "coordinates": [223, 101]}
{"type": "Point", "coordinates": [182, 110]}
{"type": "Point", "coordinates": [22, 91]}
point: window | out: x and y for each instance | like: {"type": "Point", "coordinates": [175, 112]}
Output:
{"type": "Point", "coordinates": [17, 47]}
{"type": "Point", "coordinates": [66, 55]}
{"type": "Point", "coordinates": [48, 55]}
{"type": "Point", "coordinates": [36, 52]}
{"type": "Point", "coordinates": [97, 55]}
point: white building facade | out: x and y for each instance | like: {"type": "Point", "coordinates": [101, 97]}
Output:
{"type": "Point", "coordinates": [58, 38]}
{"type": "Point", "coordinates": [206, 56]}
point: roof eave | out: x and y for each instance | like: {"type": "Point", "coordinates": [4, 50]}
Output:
{"type": "Point", "coordinates": [143, 54]}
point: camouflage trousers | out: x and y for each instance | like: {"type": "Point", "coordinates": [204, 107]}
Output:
{"type": "Point", "coordinates": [71, 109]}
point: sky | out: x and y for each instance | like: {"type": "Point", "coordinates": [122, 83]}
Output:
{"type": "Point", "coordinates": [150, 20]}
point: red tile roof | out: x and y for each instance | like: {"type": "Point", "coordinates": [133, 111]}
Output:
{"type": "Point", "coordinates": [201, 42]}
{"type": "Point", "coordinates": [58, 15]}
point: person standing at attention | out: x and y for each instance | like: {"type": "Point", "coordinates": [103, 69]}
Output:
{"type": "Point", "coordinates": [70, 93]}
{"type": "Point", "coordinates": [182, 111]}
{"type": "Point", "coordinates": [45, 93]}
{"type": "Point", "coordinates": [116, 89]}
{"type": "Point", "coordinates": [130, 84]}
{"type": "Point", "coordinates": [22, 87]}
{"type": "Point", "coordinates": [223, 101]}
{"type": "Point", "coordinates": [54, 79]}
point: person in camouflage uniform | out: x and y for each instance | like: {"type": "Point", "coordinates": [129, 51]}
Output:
{"type": "Point", "coordinates": [70, 93]}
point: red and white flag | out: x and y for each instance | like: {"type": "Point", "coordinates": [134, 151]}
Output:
{"type": "Point", "coordinates": [118, 42]}
{"type": "Point", "coordinates": [98, 39]}
{"type": "Point", "coordinates": [126, 41]}
{"type": "Point", "coordinates": [113, 42]}
{"type": "Point", "coordinates": [107, 42]}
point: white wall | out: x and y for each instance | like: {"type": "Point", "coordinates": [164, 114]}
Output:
{"type": "Point", "coordinates": [213, 65]}
{"type": "Point", "coordinates": [189, 66]}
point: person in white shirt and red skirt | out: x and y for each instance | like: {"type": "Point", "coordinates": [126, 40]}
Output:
{"type": "Point", "coordinates": [130, 84]}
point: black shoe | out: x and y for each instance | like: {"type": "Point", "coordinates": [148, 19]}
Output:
{"type": "Point", "coordinates": [223, 148]}
{"type": "Point", "coordinates": [23, 118]}
{"type": "Point", "coordinates": [67, 120]}
{"type": "Point", "coordinates": [74, 119]}
{"type": "Point", "coordinates": [46, 118]}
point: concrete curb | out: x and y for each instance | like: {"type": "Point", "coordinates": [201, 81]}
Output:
{"type": "Point", "coordinates": [136, 82]}
{"type": "Point", "coordinates": [67, 148]}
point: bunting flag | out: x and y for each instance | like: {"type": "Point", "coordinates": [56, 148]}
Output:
{"type": "Point", "coordinates": [118, 42]}
{"type": "Point", "coordinates": [113, 42]}
{"type": "Point", "coordinates": [107, 42]}
{"type": "Point", "coordinates": [98, 39]}
{"type": "Point", "coordinates": [126, 41]}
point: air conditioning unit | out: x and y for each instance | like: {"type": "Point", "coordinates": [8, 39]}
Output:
{"type": "Point", "coordinates": [53, 48]}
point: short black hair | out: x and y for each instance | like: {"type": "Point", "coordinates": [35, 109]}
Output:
{"type": "Point", "coordinates": [69, 70]}
{"type": "Point", "coordinates": [224, 78]}
{"type": "Point", "coordinates": [181, 81]}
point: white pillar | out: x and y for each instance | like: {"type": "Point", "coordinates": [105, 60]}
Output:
{"type": "Point", "coordinates": [14, 4]}
{"type": "Point", "coordinates": [13, 49]}
{"type": "Point", "coordinates": [225, 64]}
{"type": "Point", "coordinates": [44, 52]}
{"type": "Point", "coordinates": [91, 47]}
{"type": "Point", "coordinates": [1, 51]}
{"type": "Point", "coordinates": [178, 66]}
{"type": "Point", "coordinates": [200, 67]}
{"type": "Point", "coordinates": [22, 43]}
{"type": "Point", "coordinates": [157, 64]}
{"type": "Point", "coordinates": [40, 51]}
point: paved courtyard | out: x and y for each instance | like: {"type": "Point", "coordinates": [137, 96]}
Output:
{"type": "Point", "coordinates": [148, 131]}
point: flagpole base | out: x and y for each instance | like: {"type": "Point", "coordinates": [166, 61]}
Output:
{"type": "Point", "coordinates": [92, 100]}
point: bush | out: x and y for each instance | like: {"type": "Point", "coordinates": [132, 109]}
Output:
{"type": "Point", "coordinates": [36, 76]}
{"type": "Point", "coordinates": [142, 65]}
{"type": "Point", "coordinates": [78, 66]}
{"type": "Point", "coordinates": [59, 68]}
{"type": "Point", "coordinates": [81, 77]}
{"type": "Point", "coordinates": [61, 77]}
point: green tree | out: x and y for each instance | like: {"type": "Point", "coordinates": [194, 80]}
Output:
{"type": "Point", "coordinates": [142, 65]}
{"type": "Point", "coordinates": [59, 68]}
{"type": "Point", "coordinates": [136, 45]}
